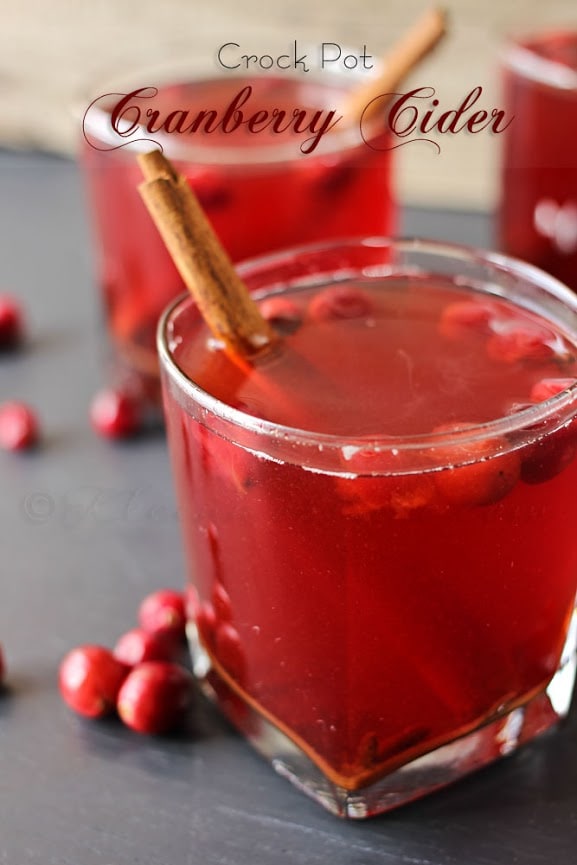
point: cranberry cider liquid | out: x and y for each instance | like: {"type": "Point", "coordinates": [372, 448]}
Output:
{"type": "Point", "coordinates": [259, 189]}
{"type": "Point", "coordinates": [381, 600]}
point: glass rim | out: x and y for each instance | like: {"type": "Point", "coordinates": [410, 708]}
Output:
{"type": "Point", "coordinates": [96, 123]}
{"type": "Point", "coordinates": [500, 427]}
{"type": "Point", "coordinates": [518, 56]}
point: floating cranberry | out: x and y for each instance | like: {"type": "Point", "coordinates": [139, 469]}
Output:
{"type": "Point", "coordinates": [138, 645]}
{"type": "Point", "coordinates": [284, 314]}
{"type": "Point", "coordinates": [521, 344]}
{"type": "Point", "coordinates": [549, 456]}
{"type": "Point", "coordinates": [463, 317]}
{"type": "Point", "coordinates": [155, 697]}
{"type": "Point", "coordinates": [163, 611]}
{"type": "Point", "coordinates": [10, 322]}
{"type": "Point", "coordinates": [383, 480]}
{"type": "Point", "coordinates": [340, 301]}
{"type": "Point", "coordinates": [18, 426]}
{"type": "Point", "coordinates": [548, 387]}
{"type": "Point", "coordinates": [115, 415]}
{"type": "Point", "coordinates": [209, 188]}
{"type": "Point", "coordinates": [90, 679]}
{"type": "Point", "coordinates": [486, 476]}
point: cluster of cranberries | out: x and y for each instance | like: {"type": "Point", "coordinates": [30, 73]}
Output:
{"type": "Point", "coordinates": [141, 679]}
{"type": "Point", "coordinates": [114, 414]}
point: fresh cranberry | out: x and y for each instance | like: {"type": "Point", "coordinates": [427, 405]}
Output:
{"type": "Point", "coordinates": [284, 314]}
{"type": "Point", "coordinates": [18, 426]}
{"type": "Point", "coordinates": [487, 475]}
{"type": "Point", "coordinates": [229, 651]}
{"type": "Point", "coordinates": [115, 415]}
{"type": "Point", "coordinates": [155, 697]}
{"type": "Point", "coordinates": [10, 322]}
{"type": "Point", "coordinates": [339, 301]}
{"type": "Point", "coordinates": [521, 344]}
{"type": "Point", "coordinates": [549, 387]}
{"type": "Point", "coordinates": [138, 645]}
{"type": "Point", "coordinates": [163, 611]}
{"type": "Point", "coordinates": [90, 679]}
{"type": "Point", "coordinates": [460, 318]}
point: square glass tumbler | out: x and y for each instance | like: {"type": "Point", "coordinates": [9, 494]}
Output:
{"type": "Point", "coordinates": [537, 218]}
{"type": "Point", "coordinates": [259, 190]}
{"type": "Point", "coordinates": [382, 609]}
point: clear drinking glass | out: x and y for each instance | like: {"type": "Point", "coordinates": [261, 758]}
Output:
{"type": "Point", "coordinates": [259, 191]}
{"type": "Point", "coordinates": [537, 218]}
{"type": "Point", "coordinates": [383, 613]}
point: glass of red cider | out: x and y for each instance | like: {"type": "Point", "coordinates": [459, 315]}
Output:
{"type": "Point", "coordinates": [259, 191]}
{"type": "Point", "coordinates": [379, 516]}
{"type": "Point", "coordinates": [537, 219]}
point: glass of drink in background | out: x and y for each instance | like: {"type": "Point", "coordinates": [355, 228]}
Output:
{"type": "Point", "coordinates": [537, 219]}
{"type": "Point", "coordinates": [379, 519]}
{"type": "Point", "coordinates": [259, 190]}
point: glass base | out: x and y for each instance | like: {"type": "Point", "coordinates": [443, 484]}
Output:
{"type": "Point", "coordinates": [423, 775]}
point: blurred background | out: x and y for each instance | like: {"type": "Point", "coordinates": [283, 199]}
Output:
{"type": "Point", "coordinates": [53, 54]}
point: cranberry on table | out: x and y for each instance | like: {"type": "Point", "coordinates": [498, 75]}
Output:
{"type": "Point", "coordinates": [138, 645]}
{"type": "Point", "coordinates": [10, 322]}
{"type": "Point", "coordinates": [90, 679]}
{"type": "Point", "coordinates": [115, 415]}
{"type": "Point", "coordinates": [163, 610]}
{"type": "Point", "coordinates": [155, 697]}
{"type": "Point", "coordinates": [18, 426]}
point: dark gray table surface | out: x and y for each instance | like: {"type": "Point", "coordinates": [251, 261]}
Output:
{"type": "Point", "coordinates": [86, 529]}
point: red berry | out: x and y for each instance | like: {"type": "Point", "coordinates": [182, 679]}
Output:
{"type": "Point", "coordinates": [284, 314]}
{"type": "Point", "coordinates": [549, 387]}
{"type": "Point", "coordinates": [522, 344]}
{"type": "Point", "coordinates": [229, 651]}
{"type": "Point", "coordinates": [137, 646]}
{"type": "Point", "coordinates": [209, 188]}
{"type": "Point", "coordinates": [339, 301]}
{"type": "Point", "coordinates": [486, 476]}
{"type": "Point", "coordinates": [18, 426]}
{"type": "Point", "coordinates": [10, 322]}
{"type": "Point", "coordinates": [221, 603]}
{"type": "Point", "coordinates": [90, 679]}
{"type": "Point", "coordinates": [163, 611]}
{"type": "Point", "coordinates": [380, 483]}
{"type": "Point", "coordinates": [460, 318]}
{"type": "Point", "coordinates": [549, 456]}
{"type": "Point", "coordinates": [155, 697]}
{"type": "Point", "coordinates": [115, 415]}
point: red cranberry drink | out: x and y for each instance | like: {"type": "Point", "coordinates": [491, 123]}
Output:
{"type": "Point", "coordinates": [380, 517]}
{"type": "Point", "coordinates": [538, 214]}
{"type": "Point", "coordinates": [258, 188]}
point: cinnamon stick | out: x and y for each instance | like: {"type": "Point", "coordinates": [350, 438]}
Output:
{"type": "Point", "coordinates": [420, 39]}
{"type": "Point", "coordinates": [223, 299]}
